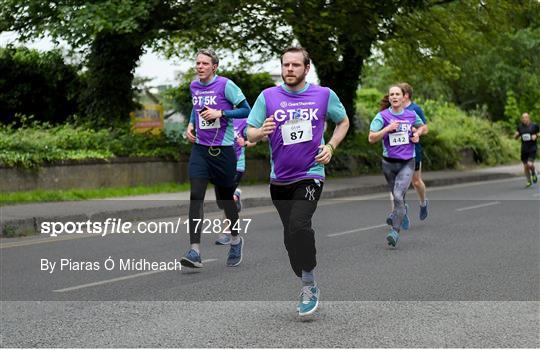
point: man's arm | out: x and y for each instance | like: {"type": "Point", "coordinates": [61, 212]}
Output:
{"type": "Point", "coordinates": [242, 111]}
{"type": "Point", "coordinates": [191, 127]}
{"type": "Point", "coordinates": [420, 112]}
{"type": "Point", "coordinates": [336, 113]}
{"type": "Point", "coordinates": [256, 134]}
{"type": "Point", "coordinates": [259, 126]}
{"type": "Point", "coordinates": [421, 120]}
{"type": "Point", "coordinates": [327, 150]}
{"type": "Point", "coordinates": [236, 97]}
{"type": "Point", "coordinates": [245, 142]}
{"type": "Point", "coordinates": [420, 128]}
{"type": "Point", "coordinates": [340, 131]}
{"type": "Point", "coordinates": [192, 116]}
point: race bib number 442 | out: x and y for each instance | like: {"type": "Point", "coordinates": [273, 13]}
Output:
{"type": "Point", "coordinates": [399, 138]}
{"type": "Point", "coordinates": [296, 131]}
{"type": "Point", "coordinates": [210, 124]}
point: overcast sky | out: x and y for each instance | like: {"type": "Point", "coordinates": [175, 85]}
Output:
{"type": "Point", "coordinates": [151, 65]}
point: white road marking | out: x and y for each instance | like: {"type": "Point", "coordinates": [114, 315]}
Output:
{"type": "Point", "coordinates": [112, 280]}
{"type": "Point", "coordinates": [33, 241]}
{"type": "Point", "coordinates": [431, 189]}
{"type": "Point", "coordinates": [356, 230]}
{"type": "Point", "coordinates": [478, 206]}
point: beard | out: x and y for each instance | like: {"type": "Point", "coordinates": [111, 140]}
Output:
{"type": "Point", "coordinates": [293, 81]}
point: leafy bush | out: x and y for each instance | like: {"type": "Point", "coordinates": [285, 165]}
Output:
{"type": "Point", "coordinates": [29, 147]}
{"type": "Point", "coordinates": [452, 130]}
{"type": "Point", "coordinates": [367, 105]}
{"type": "Point", "coordinates": [38, 84]}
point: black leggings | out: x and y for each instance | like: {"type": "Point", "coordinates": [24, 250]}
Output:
{"type": "Point", "coordinates": [196, 207]}
{"type": "Point", "coordinates": [296, 203]}
{"type": "Point", "coordinates": [237, 179]}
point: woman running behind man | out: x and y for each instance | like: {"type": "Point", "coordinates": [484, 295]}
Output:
{"type": "Point", "coordinates": [399, 129]}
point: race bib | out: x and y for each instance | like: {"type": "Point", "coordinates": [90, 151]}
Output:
{"type": "Point", "coordinates": [399, 138]}
{"type": "Point", "coordinates": [211, 124]}
{"type": "Point", "coordinates": [526, 137]}
{"type": "Point", "coordinates": [296, 131]}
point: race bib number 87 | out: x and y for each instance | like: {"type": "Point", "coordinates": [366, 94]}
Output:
{"type": "Point", "coordinates": [296, 131]}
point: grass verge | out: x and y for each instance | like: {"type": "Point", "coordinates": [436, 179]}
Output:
{"type": "Point", "coordinates": [87, 193]}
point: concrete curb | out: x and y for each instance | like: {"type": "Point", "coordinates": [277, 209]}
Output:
{"type": "Point", "coordinates": [30, 226]}
{"type": "Point", "coordinates": [468, 178]}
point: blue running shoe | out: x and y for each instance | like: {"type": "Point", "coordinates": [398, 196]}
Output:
{"type": "Point", "coordinates": [191, 259]}
{"type": "Point", "coordinates": [423, 211]}
{"type": "Point", "coordinates": [235, 253]}
{"type": "Point", "coordinates": [238, 202]}
{"type": "Point", "coordinates": [392, 238]}
{"type": "Point", "coordinates": [390, 219]}
{"type": "Point", "coordinates": [309, 300]}
{"type": "Point", "coordinates": [406, 223]}
{"type": "Point", "coordinates": [223, 239]}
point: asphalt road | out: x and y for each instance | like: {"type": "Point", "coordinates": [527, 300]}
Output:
{"type": "Point", "coordinates": [468, 276]}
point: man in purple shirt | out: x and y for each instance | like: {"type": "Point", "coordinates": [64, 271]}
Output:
{"type": "Point", "coordinates": [213, 158]}
{"type": "Point", "coordinates": [293, 115]}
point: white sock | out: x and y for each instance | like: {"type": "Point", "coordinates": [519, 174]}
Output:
{"type": "Point", "coordinates": [308, 278]}
{"type": "Point", "coordinates": [235, 240]}
{"type": "Point", "coordinates": [196, 247]}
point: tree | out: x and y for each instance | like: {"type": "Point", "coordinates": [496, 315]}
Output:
{"type": "Point", "coordinates": [36, 84]}
{"type": "Point", "coordinates": [470, 52]}
{"type": "Point", "coordinates": [338, 34]}
{"type": "Point", "coordinates": [511, 110]}
{"type": "Point", "coordinates": [116, 33]}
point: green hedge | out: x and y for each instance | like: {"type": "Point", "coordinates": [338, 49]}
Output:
{"type": "Point", "coordinates": [450, 131]}
{"type": "Point", "coordinates": [29, 147]}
